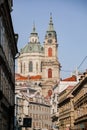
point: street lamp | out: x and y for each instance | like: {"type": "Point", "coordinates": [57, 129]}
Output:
{"type": "Point", "coordinates": [19, 123]}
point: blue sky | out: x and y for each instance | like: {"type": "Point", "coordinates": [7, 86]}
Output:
{"type": "Point", "coordinates": [70, 23]}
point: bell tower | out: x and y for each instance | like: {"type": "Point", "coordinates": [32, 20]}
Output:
{"type": "Point", "coordinates": [51, 65]}
{"type": "Point", "coordinates": [50, 44]}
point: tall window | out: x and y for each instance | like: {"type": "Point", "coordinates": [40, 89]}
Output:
{"type": "Point", "coordinates": [41, 66]}
{"type": "Point", "coordinates": [21, 67]}
{"type": "Point", "coordinates": [30, 66]}
{"type": "Point", "coordinates": [49, 52]}
{"type": "Point", "coordinates": [49, 73]}
{"type": "Point", "coordinates": [24, 67]}
{"type": "Point", "coordinates": [37, 67]}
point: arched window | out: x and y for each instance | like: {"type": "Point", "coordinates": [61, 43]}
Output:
{"type": "Point", "coordinates": [24, 67]}
{"type": "Point", "coordinates": [49, 52]}
{"type": "Point", "coordinates": [49, 73]}
{"type": "Point", "coordinates": [21, 67]}
{"type": "Point", "coordinates": [41, 66]}
{"type": "Point", "coordinates": [37, 67]}
{"type": "Point", "coordinates": [30, 66]}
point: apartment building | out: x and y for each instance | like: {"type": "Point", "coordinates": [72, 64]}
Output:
{"type": "Point", "coordinates": [54, 107]}
{"type": "Point", "coordinates": [80, 104]}
{"type": "Point", "coordinates": [30, 103]}
{"type": "Point", "coordinates": [73, 106]}
{"type": "Point", "coordinates": [8, 51]}
{"type": "Point", "coordinates": [66, 110]}
{"type": "Point", "coordinates": [57, 93]}
{"type": "Point", "coordinates": [40, 113]}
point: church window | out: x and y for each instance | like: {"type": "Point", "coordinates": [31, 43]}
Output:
{"type": "Point", "coordinates": [30, 66]}
{"type": "Point", "coordinates": [24, 67]}
{"type": "Point", "coordinates": [21, 67]}
{"type": "Point", "coordinates": [49, 73]}
{"type": "Point", "coordinates": [37, 67]}
{"type": "Point", "coordinates": [49, 52]}
{"type": "Point", "coordinates": [41, 66]}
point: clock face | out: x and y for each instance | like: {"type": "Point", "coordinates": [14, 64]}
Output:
{"type": "Point", "coordinates": [50, 41]}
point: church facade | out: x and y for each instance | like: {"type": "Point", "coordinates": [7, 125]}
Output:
{"type": "Point", "coordinates": [39, 62]}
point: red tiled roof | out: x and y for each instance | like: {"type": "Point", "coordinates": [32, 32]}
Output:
{"type": "Point", "coordinates": [72, 78]}
{"type": "Point", "coordinates": [35, 77]}
{"type": "Point", "coordinates": [20, 77]}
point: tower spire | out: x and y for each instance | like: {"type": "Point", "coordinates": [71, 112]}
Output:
{"type": "Point", "coordinates": [34, 29]}
{"type": "Point", "coordinates": [34, 35]}
{"type": "Point", "coordinates": [50, 27]}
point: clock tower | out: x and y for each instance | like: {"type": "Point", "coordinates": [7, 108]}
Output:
{"type": "Point", "coordinates": [51, 65]}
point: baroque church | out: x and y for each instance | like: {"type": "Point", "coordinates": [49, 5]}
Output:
{"type": "Point", "coordinates": [38, 63]}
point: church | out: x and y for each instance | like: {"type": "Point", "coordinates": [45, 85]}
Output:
{"type": "Point", "coordinates": [38, 63]}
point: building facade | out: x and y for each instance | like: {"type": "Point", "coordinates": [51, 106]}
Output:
{"type": "Point", "coordinates": [41, 60]}
{"type": "Point", "coordinates": [40, 113]}
{"type": "Point", "coordinates": [54, 108]}
{"type": "Point", "coordinates": [80, 104]}
{"type": "Point", "coordinates": [58, 93]}
{"type": "Point", "coordinates": [31, 104]}
{"type": "Point", "coordinates": [66, 109]}
{"type": "Point", "coordinates": [8, 51]}
{"type": "Point", "coordinates": [73, 106]}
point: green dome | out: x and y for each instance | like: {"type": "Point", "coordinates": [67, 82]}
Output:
{"type": "Point", "coordinates": [32, 48]}
{"type": "Point", "coordinates": [33, 45]}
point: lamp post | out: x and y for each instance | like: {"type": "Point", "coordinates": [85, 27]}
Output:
{"type": "Point", "coordinates": [18, 119]}
{"type": "Point", "coordinates": [19, 122]}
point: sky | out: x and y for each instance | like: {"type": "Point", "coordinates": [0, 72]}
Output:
{"type": "Point", "coordinates": [70, 23]}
